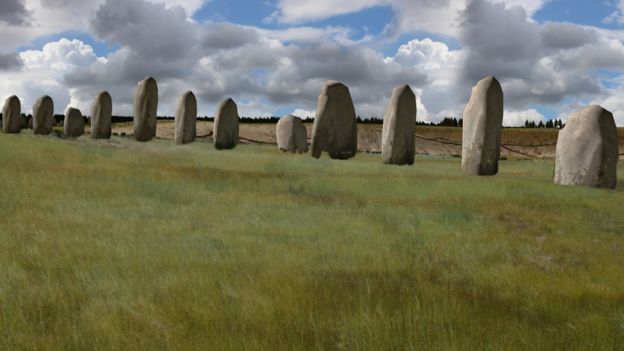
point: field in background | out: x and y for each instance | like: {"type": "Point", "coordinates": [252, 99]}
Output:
{"type": "Point", "coordinates": [439, 141]}
{"type": "Point", "coordinates": [152, 246]}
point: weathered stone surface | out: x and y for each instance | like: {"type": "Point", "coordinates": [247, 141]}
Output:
{"type": "Point", "coordinates": [186, 119]}
{"type": "Point", "coordinates": [292, 135]}
{"type": "Point", "coordinates": [12, 121]}
{"type": "Point", "coordinates": [101, 116]}
{"type": "Point", "coordinates": [483, 121]}
{"type": "Point", "coordinates": [399, 125]}
{"type": "Point", "coordinates": [588, 149]}
{"type": "Point", "coordinates": [43, 116]}
{"type": "Point", "coordinates": [335, 123]}
{"type": "Point", "coordinates": [226, 125]}
{"type": "Point", "coordinates": [145, 109]}
{"type": "Point", "coordinates": [74, 123]}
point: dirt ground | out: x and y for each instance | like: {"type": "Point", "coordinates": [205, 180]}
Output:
{"type": "Point", "coordinates": [438, 141]}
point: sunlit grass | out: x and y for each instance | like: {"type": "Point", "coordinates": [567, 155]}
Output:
{"type": "Point", "coordinates": [124, 245]}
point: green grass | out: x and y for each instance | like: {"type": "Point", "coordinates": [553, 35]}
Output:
{"type": "Point", "coordinates": [127, 246]}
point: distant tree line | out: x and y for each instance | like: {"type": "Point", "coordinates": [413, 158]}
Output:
{"type": "Point", "coordinates": [445, 122]}
{"type": "Point", "coordinates": [551, 124]}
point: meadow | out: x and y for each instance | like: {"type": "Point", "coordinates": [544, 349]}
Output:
{"type": "Point", "coordinates": [119, 245]}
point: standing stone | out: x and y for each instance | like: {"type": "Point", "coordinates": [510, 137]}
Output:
{"type": "Point", "coordinates": [588, 149]}
{"type": "Point", "coordinates": [226, 125]}
{"type": "Point", "coordinates": [145, 108]}
{"type": "Point", "coordinates": [292, 135]}
{"type": "Point", "coordinates": [43, 116]}
{"type": "Point", "coordinates": [399, 125]}
{"type": "Point", "coordinates": [186, 119]}
{"type": "Point", "coordinates": [12, 115]}
{"type": "Point", "coordinates": [335, 124]}
{"type": "Point", "coordinates": [483, 121]}
{"type": "Point", "coordinates": [101, 116]}
{"type": "Point", "coordinates": [74, 123]}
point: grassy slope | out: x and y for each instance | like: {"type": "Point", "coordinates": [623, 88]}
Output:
{"type": "Point", "coordinates": [156, 246]}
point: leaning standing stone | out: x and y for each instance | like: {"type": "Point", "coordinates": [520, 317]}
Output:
{"type": "Point", "coordinates": [145, 109]}
{"type": "Point", "coordinates": [101, 116]}
{"type": "Point", "coordinates": [43, 116]}
{"type": "Point", "coordinates": [74, 123]}
{"type": "Point", "coordinates": [588, 149]}
{"type": "Point", "coordinates": [292, 135]}
{"type": "Point", "coordinates": [226, 125]}
{"type": "Point", "coordinates": [483, 121]}
{"type": "Point", "coordinates": [397, 140]}
{"type": "Point", "coordinates": [186, 119]}
{"type": "Point", "coordinates": [12, 115]}
{"type": "Point", "coordinates": [335, 123]}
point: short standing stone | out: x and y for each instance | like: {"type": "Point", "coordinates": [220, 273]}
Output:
{"type": "Point", "coordinates": [12, 121]}
{"type": "Point", "coordinates": [397, 141]}
{"type": "Point", "coordinates": [74, 123]}
{"type": "Point", "coordinates": [588, 149]}
{"type": "Point", "coordinates": [101, 116]}
{"type": "Point", "coordinates": [226, 125]}
{"type": "Point", "coordinates": [292, 135]}
{"type": "Point", "coordinates": [145, 109]}
{"type": "Point", "coordinates": [43, 116]}
{"type": "Point", "coordinates": [335, 124]}
{"type": "Point", "coordinates": [483, 121]}
{"type": "Point", "coordinates": [186, 119]}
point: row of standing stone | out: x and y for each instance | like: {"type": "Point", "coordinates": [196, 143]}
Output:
{"type": "Point", "coordinates": [587, 148]}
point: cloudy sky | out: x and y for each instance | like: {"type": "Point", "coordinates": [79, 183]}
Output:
{"type": "Point", "coordinates": [272, 56]}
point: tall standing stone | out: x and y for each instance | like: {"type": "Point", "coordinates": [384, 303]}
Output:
{"type": "Point", "coordinates": [292, 135]}
{"type": "Point", "coordinates": [588, 149]}
{"type": "Point", "coordinates": [145, 109]}
{"type": "Point", "coordinates": [226, 125]}
{"type": "Point", "coordinates": [43, 116]}
{"type": "Point", "coordinates": [186, 119]}
{"type": "Point", "coordinates": [74, 123]}
{"type": "Point", "coordinates": [335, 123]}
{"type": "Point", "coordinates": [483, 121]}
{"type": "Point", "coordinates": [12, 115]}
{"type": "Point", "coordinates": [399, 125]}
{"type": "Point", "coordinates": [101, 116]}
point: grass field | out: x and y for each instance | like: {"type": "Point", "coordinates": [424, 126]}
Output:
{"type": "Point", "coordinates": [126, 246]}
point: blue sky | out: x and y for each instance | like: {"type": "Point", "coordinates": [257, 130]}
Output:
{"type": "Point", "coordinates": [273, 56]}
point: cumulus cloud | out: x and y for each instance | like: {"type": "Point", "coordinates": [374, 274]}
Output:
{"type": "Point", "coordinates": [544, 64]}
{"type": "Point", "coordinates": [42, 73]}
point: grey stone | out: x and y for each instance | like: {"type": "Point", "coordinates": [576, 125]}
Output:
{"type": "Point", "coordinates": [226, 125]}
{"type": "Point", "coordinates": [399, 126]}
{"type": "Point", "coordinates": [145, 109]}
{"type": "Point", "coordinates": [186, 119]}
{"type": "Point", "coordinates": [12, 121]}
{"type": "Point", "coordinates": [101, 116]}
{"type": "Point", "coordinates": [588, 149]}
{"type": "Point", "coordinates": [483, 121]}
{"type": "Point", "coordinates": [74, 123]}
{"type": "Point", "coordinates": [335, 123]}
{"type": "Point", "coordinates": [292, 135]}
{"type": "Point", "coordinates": [43, 116]}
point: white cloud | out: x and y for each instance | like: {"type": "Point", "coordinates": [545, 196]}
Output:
{"type": "Point", "coordinates": [517, 118]}
{"type": "Point", "coordinates": [304, 113]}
{"type": "Point", "coordinates": [616, 16]}
{"type": "Point", "coordinates": [410, 15]}
{"type": "Point", "coordinates": [43, 71]}
{"type": "Point", "coordinates": [190, 6]}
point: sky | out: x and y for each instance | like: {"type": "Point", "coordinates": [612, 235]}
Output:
{"type": "Point", "coordinates": [272, 57]}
